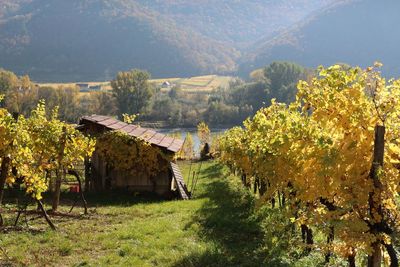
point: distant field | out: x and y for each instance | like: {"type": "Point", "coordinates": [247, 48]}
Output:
{"type": "Point", "coordinates": [199, 84]}
{"type": "Point", "coordinates": [207, 82]}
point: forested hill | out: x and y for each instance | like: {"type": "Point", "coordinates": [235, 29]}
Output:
{"type": "Point", "coordinates": [76, 40]}
{"type": "Point", "coordinates": [73, 40]}
{"type": "Point", "coordinates": [355, 32]}
{"type": "Point", "coordinates": [237, 22]}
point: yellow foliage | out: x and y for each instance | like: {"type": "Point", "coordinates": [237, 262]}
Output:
{"type": "Point", "coordinates": [130, 154]}
{"type": "Point", "coordinates": [203, 133]}
{"type": "Point", "coordinates": [318, 152]}
{"type": "Point", "coordinates": [34, 146]}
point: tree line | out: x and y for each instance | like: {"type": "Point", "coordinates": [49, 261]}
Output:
{"type": "Point", "coordinates": [21, 95]}
{"type": "Point", "coordinates": [133, 93]}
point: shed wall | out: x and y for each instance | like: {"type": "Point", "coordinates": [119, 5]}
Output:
{"type": "Point", "coordinates": [105, 178]}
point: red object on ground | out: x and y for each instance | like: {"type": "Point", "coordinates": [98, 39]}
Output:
{"type": "Point", "coordinates": [74, 189]}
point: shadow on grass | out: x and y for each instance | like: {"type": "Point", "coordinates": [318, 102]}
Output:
{"type": "Point", "coordinates": [227, 221]}
{"type": "Point", "coordinates": [121, 198]}
{"type": "Point", "coordinates": [17, 199]}
{"type": "Point", "coordinates": [213, 171]}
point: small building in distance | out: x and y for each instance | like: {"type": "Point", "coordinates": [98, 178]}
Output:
{"type": "Point", "coordinates": [95, 87]}
{"type": "Point", "coordinates": [168, 183]}
{"type": "Point", "coordinates": [83, 87]}
{"type": "Point", "coordinates": [166, 84]}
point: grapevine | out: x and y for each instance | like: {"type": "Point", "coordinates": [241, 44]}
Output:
{"type": "Point", "coordinates": [317, 152]}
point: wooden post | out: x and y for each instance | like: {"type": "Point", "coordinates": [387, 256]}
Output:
{"type": "Point", "coordinates": [375, 259]}
{"type": "Point", "coordinates": [307, 237]}
{"type": "Point", "coordinates": [88, 175]}
{"type": "Point", "coordinates": [263, 187]}
{"type": "Point", "coordinates": [60, 172]}
{"type": "Point", "coordinates": [244, 179]}
{"type": "Point", "coordinates": [329, 241]}
{"type": "Point", "coordinates": [190, 169]}
{"type": "Point", "coordinates": [192, 188]}
{"type": "Point", "coordinates": [197, 177]}
{"type": "Point", "coordinates": [352, 261]}
{"type": "Point", "coordinates": [57, 190]}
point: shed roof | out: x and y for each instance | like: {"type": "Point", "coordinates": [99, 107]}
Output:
{"type": "Point", "coordinates": [182, 189]}
{"type": "Point", "coordinates": [151, 136]}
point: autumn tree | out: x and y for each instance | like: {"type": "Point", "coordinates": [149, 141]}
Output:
{"type": "Point", "coordinates": [132, 91]}
{"type": "Point", "coordinates": [203, 132]}
{"type": "Point", "coordinates": [106, 104]}
{"type": "Point", "coordinates": [20, 94]}
{"type": "Point", "coordinates": [32, 147]}
{"type": "Point", "coordinates": [69, 103]}
{"type": "Point", "coordinates": [8, 80]}
{"type": "Point", "coordinates": [56, 145]}
{"type": "Point", "coordinates": [50, 95]}
{"type": "Point", "coordinates": [282, 79]}
{"type": "Point", "coordinates": [187, 151]}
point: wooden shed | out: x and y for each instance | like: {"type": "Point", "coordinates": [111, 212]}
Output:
{"type": "Point", "coordinates": [101, 177]}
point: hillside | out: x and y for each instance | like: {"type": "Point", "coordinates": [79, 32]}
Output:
{"type": "Point", "coordinates": [238, 23]}
{"type": "Point", "coordinates": [353, 32]}
{"type": "Point", "coordinates": [93, 39]}
{"type": "Point", "coordinates": [75, 40]}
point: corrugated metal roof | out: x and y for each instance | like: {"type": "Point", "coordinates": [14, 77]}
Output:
{"type": "Point", "coordinates": [151, 136]}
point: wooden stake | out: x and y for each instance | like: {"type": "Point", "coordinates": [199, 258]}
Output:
{"type": "Point", "coordinates": [60, 172]}
{"type": "Point", "coordinates": [88, 174]}
{"type": "Point", "coordinates": [190, 169]}
{"type": "Point", "coordinates": [375, 259]}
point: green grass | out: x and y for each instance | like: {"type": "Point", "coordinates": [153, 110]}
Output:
{"type": "Point", "coordinates": [219, 227]}
{"type": "Point", "coordinates": [127, 230]}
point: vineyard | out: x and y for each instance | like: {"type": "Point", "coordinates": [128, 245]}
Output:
{"type": "Point", "coordinates": [329, 162]}
{"type": "Point", "coordinates": [310, 183]}
{"type": "Point", "coordinates": [40, 153]}
{"type": "Point", "coordinates": [33, 148]}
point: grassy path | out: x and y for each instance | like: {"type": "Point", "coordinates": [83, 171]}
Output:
{"type": "Point", "coordinates": [214, 229]}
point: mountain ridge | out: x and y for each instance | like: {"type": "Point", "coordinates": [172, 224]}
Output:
{"type": "Point", "coordinates": [356, 32]}
{"type": "Point", "coordinates": [93, 39]}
